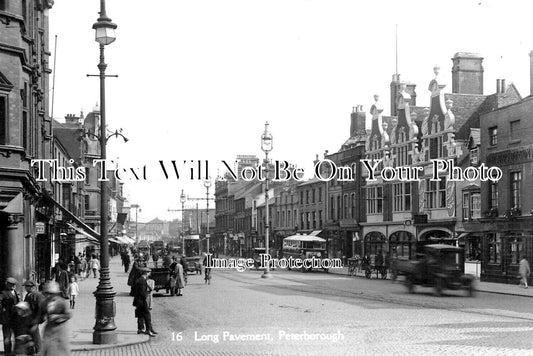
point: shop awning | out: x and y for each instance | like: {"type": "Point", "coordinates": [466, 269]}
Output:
{"type": "Point", "coordinates": [114, 239]}
{"type": "Point", "coordinates": [128, 240]}
{"type": "Point", "coordinates": [76, 220]}
{"type": "Point", "coordinates": [123, 240]}
{"type": "Point", "coordinates": [89, 237]}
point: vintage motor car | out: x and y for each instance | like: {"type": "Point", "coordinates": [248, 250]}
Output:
{"type": "Point", "coordinates": [440, 267]}
{"type": "Point", "coordinates": [194, 264]}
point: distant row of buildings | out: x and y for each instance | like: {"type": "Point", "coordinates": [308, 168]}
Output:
{"type": "Point", "coordinates": [492, 220]}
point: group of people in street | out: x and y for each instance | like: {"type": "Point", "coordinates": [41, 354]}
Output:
{"type": "Point", "coordinates": [81, 265]}
{"type": "Point", "coordinates": [20, 319]}
{"type": "Point", "coordinates": [142, 284]}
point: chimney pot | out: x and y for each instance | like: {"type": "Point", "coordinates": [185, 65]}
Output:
{"type": "Point", "coordinates": [498, 86]}
{"type": "Point", "coordinates": [502, 90]}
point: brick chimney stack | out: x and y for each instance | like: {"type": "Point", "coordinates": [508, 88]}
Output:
{"type": "Point", "coordinates": [71, 119]}
{"type": "Point", "coordinates": [467, 73]}
{"type": "Point", "coordinates": [358, 121]}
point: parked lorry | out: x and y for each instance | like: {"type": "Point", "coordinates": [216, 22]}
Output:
{"type": "Point", "coordinates": [440, 266]}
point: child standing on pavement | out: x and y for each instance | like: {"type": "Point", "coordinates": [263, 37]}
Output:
{"type": "Point", "coordinates": [73, 291]}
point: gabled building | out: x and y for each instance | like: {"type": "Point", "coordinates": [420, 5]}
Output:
{"type": "Point", "coordinates": [404, 214]}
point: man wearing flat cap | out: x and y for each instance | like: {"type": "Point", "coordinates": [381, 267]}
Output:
{"type": "Point", "coordinates": [35, 300]}
{"type": "Point", "coordinates": [140, 302]}
{"type": "Point", "coordinates": [8, 299]}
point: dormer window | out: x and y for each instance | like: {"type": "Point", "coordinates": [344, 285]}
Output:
{"type": "Point", "coordinates": [474, 157]}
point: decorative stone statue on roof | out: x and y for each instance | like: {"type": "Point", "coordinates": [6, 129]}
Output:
{"type": "Point", "coordinates": [449, 118]}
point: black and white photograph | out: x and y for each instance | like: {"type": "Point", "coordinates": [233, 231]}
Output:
{"type": "Point", "coordinates": [266, 178]}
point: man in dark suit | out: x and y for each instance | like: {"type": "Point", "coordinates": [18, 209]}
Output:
{"type": "Point", "coordinates": [35, 300]}
{"type": "Point", "coordinates": [8, 299]}
{"type": "Point", "coordinates": [142, 312]}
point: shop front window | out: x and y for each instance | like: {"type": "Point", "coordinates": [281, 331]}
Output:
{"type": "Point", "coordinates": [402, 244]}
{"type": "Point", "coordinates": [374, 243]}
{"type": "Point", "coordinates": [473, 249]}
{"type": "Point", "coordinates": [494, 243]}
{"type": "Point", "coordinates": [516, 249]}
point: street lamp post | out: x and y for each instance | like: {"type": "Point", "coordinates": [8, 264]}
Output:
{"type": "Point", "coordinates": [104, 328]}
{"type": "Point", "coordinates": [183, 199]}
{"type": "Point", "coordinates": [136, 206]}
{"type": "Point", "coordinates": [266, 146]}
{"type": "Point", "coordinates": [207, 184]}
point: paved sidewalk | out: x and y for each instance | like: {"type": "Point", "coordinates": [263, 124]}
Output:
{"type": "Point", "coordinates": [487, 287]}
{"type": "Point", "coordinates": [82, 322]}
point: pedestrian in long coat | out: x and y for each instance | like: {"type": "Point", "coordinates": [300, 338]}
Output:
{"type": "Point", "coordinates": [177, 278]}
{"type": "Point", "coordinates": [135, 273]}
{"type": "Point", "coordinates": [177, 281]}
{"type": "Point", "coordinates": [180, 278]}
{"type": "Point", "coordinates": [524, 271]}
{"type": "Point", "coordinates": [56, 334]}
{"type": "Point", "coordinates": [126, 262]}
{"type": "Point", "coordinates": [62, 279]}
{"type": "Point", "coordinates": [140, 302]}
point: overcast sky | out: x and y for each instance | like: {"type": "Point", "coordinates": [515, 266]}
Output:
{"type": "Point", "coordinates": [198, 79]}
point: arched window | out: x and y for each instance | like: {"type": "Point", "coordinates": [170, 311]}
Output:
{"type": "Point", "coordinates": [374, 242]}
{"type": "Point", "coordinates": [402, 244]}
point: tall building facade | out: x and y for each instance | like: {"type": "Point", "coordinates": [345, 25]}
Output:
{"type": "Point", "coordinates": [507, 205]}
{"type": "Point", "coordinates": [25, 134]}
